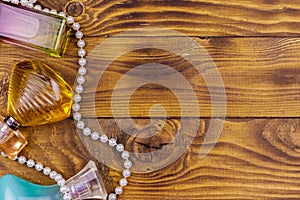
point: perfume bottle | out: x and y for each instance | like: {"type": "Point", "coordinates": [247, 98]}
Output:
{"type": "Point", "coordinates": [12, 188]}
{"type": "Point", "coordinates": [87, 184]}
{"type": "Point", "coordinates": [36, 95]}
{"type": "Point", "coordinates": [33, 29]}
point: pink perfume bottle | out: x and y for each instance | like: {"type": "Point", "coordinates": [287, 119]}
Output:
{"type": "Point", "coordinates": [87, 184]}
{"type": "Point", "coordinates": [33, 29]}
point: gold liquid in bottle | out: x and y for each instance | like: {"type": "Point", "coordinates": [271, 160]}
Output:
{"type": "Point", "coordinates": [37, 95]}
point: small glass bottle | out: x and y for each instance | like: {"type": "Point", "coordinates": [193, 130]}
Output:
{"type": "Point", "coordinates": [36, 95]}
{"type": "Point", "coordinates": [33, 29]}
{"type": "Point", "coordinates": [87, 184]}
{"type": "Point", "coordinates": [11, 140]}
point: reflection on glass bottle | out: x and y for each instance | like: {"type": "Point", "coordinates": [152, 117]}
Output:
{"type": "Point", "coordinates": [37, 95]}
{"type": "Point", "coordinates": [33, 29]}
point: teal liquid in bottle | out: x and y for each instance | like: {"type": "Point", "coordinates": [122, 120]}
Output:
{"type": "Point", "coordinates": [15, 188]}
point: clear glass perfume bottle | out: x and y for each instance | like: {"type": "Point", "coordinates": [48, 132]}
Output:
{"type": "Point", "coordinates": [87, 184]}
{"type": "Point", "coordinates": [37, 95]}
{"type": "Point", "coordinates": [33, 29]}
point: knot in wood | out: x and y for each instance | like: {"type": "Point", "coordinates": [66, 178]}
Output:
{"type": "Point", "coordinates": [146, 140]}
{"type": "Point", "coordinates": [284, 134]}
{"type": "Point", "coordinates": [75, 8]}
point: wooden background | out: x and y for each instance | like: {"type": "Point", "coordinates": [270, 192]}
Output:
{"type": "Point", "coordinates": [254, 44]}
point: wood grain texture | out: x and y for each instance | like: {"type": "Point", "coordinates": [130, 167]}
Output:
{"type": "Point", "coordinates": [255, 46]}
{"type": "Point", "coordinates": [243, 164]}
{"type": "Point", "coordinates": [192, 17]}
{"type": "Point", "coordinates": [260, 75]}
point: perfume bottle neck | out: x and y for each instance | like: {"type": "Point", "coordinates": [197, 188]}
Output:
{"type": "Point", "coordinates": [11, 123]}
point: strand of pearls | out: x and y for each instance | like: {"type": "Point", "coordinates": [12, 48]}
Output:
{"type": "Point", "coordinates": [77, 115]}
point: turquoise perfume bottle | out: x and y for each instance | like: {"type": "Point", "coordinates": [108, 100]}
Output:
{"type": "Point", "coordinates": [15, 188]}
{"type": "Point", "coordinates": [33, 29]}
{"type": "Point", "coordinates": [86, 184]}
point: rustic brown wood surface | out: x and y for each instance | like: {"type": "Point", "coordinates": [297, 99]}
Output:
{"type": "Point", "coordinates": [256, 157]}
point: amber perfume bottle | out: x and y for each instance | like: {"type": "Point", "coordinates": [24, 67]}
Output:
{"type": "Point", "coordinates": [37, 95]}
{"type": "Point", "coordinates": [33, 29]}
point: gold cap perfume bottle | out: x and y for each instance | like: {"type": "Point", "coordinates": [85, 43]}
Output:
{"type": "Point", "coordinates": [33, 29]}
{"type": "Point", "coordinates": [37, 95]}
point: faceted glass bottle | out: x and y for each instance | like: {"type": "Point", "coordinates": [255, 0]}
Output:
{"type": "Point", "coordinates": [33, 29]}
{"type": "Point", "coordinates": [37, 95]}
{"type": "Point", "coordinates": [11, 141]}
{"type": "Point", "coordinates": [87, 184]}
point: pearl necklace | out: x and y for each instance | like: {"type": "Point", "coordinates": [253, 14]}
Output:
{"type": "Point", "coordinates": [77, 115]}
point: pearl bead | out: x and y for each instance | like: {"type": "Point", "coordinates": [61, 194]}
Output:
{"type": "Point", "coordinates": [22, 160]}
{"type": "Point", "coordinates": [95, 136]}
{"type": "Point", "coordinates": [38, 7]}
{"type": "Point", "coordinates": [30, 163]}
{"type": "Point", "coordinates": [15, 1]}
{"type": "Point", "coordinates": [77, 98]}
{"type": "Point", "coordinates": [103, 138]}
{"type": "Point", "coordinates": [125, 155]}
{"type": "Point", "coordinates": [77, 116]}
{"type": "Point", "coordinates": [23, 2]}
{"type": "Point", "coordinates": [61, 182]}
{"type": "Point", "coordinates": [67, 197]}
{"type": "Point", "coordinates": [126, 173]}
{"type": "Point", "coordinates": [81, 52]}
{"type": "Point", "coordinates": [57, 177]}
{"type": "Point", "coordinates": [79, 35]}
{"type": "Point", "coordinates": [79, 89]}
{"type": "Point", "coordinates": [3, 154]}
{"type": "Point", "coordinates": [29, 5]}
{"type": "Point", "coordinates": [82, 61]}
{"type": "Point", "coordinates": [112, 142]}
{"type": "Point", "coordinates": [46, 171]}
{"type": "Point", "coordinates": [46, 10]}
{"type": "Point", "coordinates": [39, 167]}
{"type": "Point", "coordinates": [80, 80]}
{"type": "Point", "coordinates": [112, 196]}
{"type": "Point", "coordinates": [64, 189]}
{"type": "Point", "coordinates": [123, 182]}
{"type": "Point", "coordinates": [118, 190]}
{"type": "Point", "coordinates": [62, 14]}
{"type": "Point", "coordinates": [82, 71]}
{"type": "Point", "coordinates": [53, 12]}
{"type": "Point", "coordinates": [70, 19]}
{"type": "Point", "coordinates": [87, 131]}
{"type": "Point", "coordinates": [76, 107]}
{"type": "Point", "coordinates": [80, 125]}
{"type": "Point", "coordinates": [33, 1]}
{"type": "Point", "coordinates": [120, 147]}
{"type": "Point", "coordinates": [127, 164]}
{"type": "Point", "coordinates": [81, 43]}
{"type": "Point", "coordinates": [76, 26]}
{"type": "Point", "coordinates": [52, 174]}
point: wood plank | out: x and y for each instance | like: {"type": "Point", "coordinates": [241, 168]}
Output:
{"type": "Point", "coordinates": [260, 75]}
{"type": "Point", "coordinates": [191, 17]}
{"type": "Point", "coordinates": [242, 165]}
